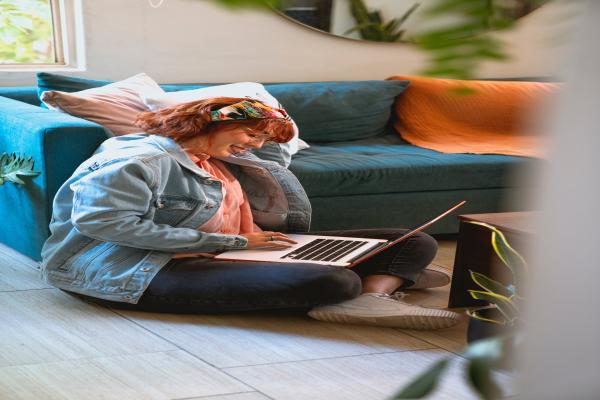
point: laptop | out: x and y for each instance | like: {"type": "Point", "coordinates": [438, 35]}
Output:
{"type": "Point", "coordinates": [328, 250]}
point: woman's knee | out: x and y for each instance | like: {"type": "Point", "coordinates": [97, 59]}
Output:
{"type": "Point", "coordinates": [339, 284]}
{"type": "Point", "coordinates": [424, 248]}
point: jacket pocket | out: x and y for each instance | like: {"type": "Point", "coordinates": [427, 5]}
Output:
{"type": "Point", "coordinates": [74, 268]}
{"type": "Point", "coordinates": [172, 209]}
{"type": "Point", "coordinates": [109, 269]}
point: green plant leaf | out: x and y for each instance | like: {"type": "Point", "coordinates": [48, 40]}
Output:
{"type": "Point", "coordinates": [509, 256]}
{"type": "Point", "coordinates": [14, 166]}
{"type": "Point", "coordinates": [479, 372]}
{"type": "Point", "coordinates": [475, 314]}
{"type": "Point", "coordinates": [483, 356]}
{"type": "Point", "coordinates": [408, 13]}
{"type": "Point", "coordinates": [425, 383]}
{"type": "Point", "coordinates": [359, 27]}
{"type": "Point", "coordinates": [391, 26]}
{"type": "Point", "coordinates": [371, 25]}
{"type": "Point", "coordinates": [491, 349]}
{"type": "Point", "coordinates": [505, 305]}
{"type": "Point", "coordinates": [375, 16]}
{"type": "Point", "coordinates": [490, 285]}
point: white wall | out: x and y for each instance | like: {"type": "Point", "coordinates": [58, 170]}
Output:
{"type": "Point", "coordinates": [197, 41]}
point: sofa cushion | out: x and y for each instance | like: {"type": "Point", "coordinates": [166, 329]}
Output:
{"type": "Point", "coordinates": [324, 111]}
{"type": "Point", "coordinates": [337, 111]}
{"type": "Point", "coordinates": [387, 164]}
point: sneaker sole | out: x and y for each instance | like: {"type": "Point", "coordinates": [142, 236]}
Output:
{"type": "Point", "coordinates": [433, 319]}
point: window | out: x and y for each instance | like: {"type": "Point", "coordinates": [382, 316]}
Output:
{"type": "Point", "coordinates": [37, 34]}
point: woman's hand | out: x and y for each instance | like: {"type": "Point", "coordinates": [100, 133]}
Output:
{"type": "Point", "coordinates": [267, 239]}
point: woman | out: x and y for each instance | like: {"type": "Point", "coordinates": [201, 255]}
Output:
{"type": "Point", "coordinates": [137, 225]}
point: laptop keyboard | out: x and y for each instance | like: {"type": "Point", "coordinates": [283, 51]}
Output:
{"type": "Point", "coordinates": [325, 250]}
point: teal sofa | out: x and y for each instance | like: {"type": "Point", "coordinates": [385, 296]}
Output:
{"type": "Point", "coordinates": [369, 180]}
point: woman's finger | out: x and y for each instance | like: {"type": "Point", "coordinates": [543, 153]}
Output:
{"type": "Point", "coordinates": [278, 245]}
{"type": "Point", "coordinates": [284, 239]}
{"type": "Point", "coordinates": [278, 236]}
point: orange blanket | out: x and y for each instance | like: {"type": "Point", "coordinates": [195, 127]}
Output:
{"type": "Point", "coordinates": [494, 119]}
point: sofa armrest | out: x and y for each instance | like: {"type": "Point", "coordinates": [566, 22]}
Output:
{"type": "Point", "coordinates": [58, 143]}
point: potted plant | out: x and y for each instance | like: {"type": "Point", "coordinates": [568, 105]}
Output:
{"type": "Point", "coordinates": [371, 26]}
{"type": "Point", "coordinates": [502, 314]}
{"type": "Point", "coordinates": [490, 353]}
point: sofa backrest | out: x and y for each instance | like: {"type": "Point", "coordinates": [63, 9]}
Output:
{"type": "Point", "coordinates": [26, 94]}
{"type": "Point", "coordinates": [324, 111]}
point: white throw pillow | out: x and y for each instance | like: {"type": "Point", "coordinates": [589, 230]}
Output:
{"type": "Point", "coordinates": [242, 89]}
{"type": "Point", "coordinates": [114, 106]}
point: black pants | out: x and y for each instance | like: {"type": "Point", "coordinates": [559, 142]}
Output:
{"type": "Point", "coordinates": [204, 285]}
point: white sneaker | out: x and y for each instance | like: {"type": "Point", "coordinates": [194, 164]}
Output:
{"type": "Point", "coordinates": [431, 277]}
{"type": "Point", "coordinates": [384, 310]}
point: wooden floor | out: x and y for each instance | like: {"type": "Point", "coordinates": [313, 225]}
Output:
{"type": "Point", "coordinates": [55, 346]}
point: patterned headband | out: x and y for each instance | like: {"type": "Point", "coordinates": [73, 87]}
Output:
{"type": "Point", "coordinates": [247, 109]}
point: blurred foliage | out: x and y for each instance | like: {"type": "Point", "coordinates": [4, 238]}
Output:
{"type": "Point", "coordinates": [371, 26]}
{"type": "Point", "coordinates": [457, 49]}
{"type": "Point", "coordinates": [26, 32]}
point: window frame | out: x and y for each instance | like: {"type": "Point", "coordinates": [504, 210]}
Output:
{"type": "Point", "coordinates": [67, 28]}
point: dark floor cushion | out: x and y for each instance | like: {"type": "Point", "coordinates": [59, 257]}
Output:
{"type": "Point", "coordinates": [387, 164]}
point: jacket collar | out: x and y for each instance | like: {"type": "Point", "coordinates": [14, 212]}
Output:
{"type": "Point", "coordinates": [176, 152]}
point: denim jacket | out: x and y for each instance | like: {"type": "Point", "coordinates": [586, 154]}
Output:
{"type": "Point", "coordinates": [138, 200]}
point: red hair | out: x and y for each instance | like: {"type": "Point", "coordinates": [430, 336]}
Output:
{"type": "Point", "coordinates": [184, 121]}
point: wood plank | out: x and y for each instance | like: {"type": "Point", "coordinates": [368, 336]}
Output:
{"type": "Point", "coordinates": [49, 325]}
{"type": "Point", "coordinates": [9, 253]}
{"type": "Point", "coordinates": [259, 338]}
{"type": "Point", "coordinates": [18, 272]}
{"type": "Point", "coordinates": [239, 396]}
{"type": "Point", "coordinates": [445, 253]}
{"type": "Point", "coordinates": [433, 298]}
{"type": "Point", "coordinates": [453, 339]}
{"type": "Point", "coordinates": [160, 376]}
{"type": "Point", "coordinates": [366, 377]}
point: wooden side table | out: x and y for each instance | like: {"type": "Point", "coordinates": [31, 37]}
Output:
{"type": "Point", "coordinates": [474, 251]}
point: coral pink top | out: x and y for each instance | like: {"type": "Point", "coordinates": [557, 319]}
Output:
{"type": "Point", "coordinates": [234, 216]}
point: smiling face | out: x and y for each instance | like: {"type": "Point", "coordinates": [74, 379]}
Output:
{"type": "Point", "coordinates": [225, 140]}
